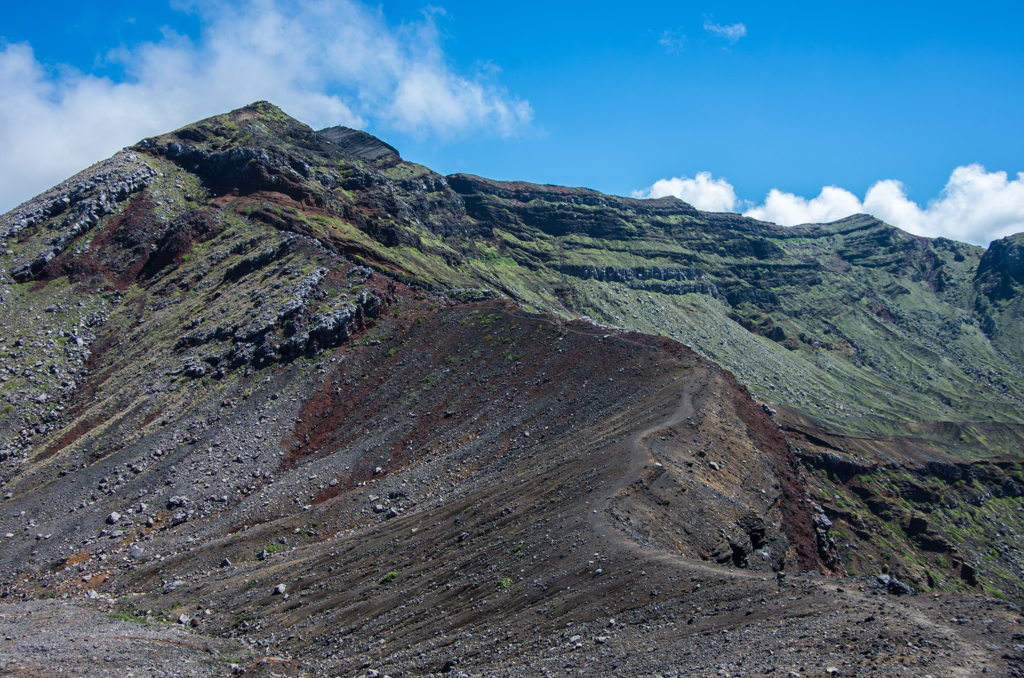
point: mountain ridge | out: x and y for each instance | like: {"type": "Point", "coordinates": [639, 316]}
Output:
{"type": "Point", "coordinates": [247, 355]}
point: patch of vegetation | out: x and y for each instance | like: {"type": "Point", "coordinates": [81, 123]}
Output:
{"type": "Point", "coordinates": [128, 617]}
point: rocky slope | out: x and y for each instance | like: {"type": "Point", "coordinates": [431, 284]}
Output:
{"type": "Point", "coordinates": [341, 414]}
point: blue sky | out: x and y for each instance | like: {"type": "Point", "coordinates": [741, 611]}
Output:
{"type": "Point", "coordinates": [897, 105]}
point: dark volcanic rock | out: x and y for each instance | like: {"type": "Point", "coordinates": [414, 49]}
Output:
{"type": "Point", "coordinates": [357, 144]}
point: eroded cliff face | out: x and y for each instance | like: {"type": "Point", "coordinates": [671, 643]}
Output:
{"type": "Point", "coordinates": [999, 294]}
{"type": "Point", "coordinates": [824, 318]}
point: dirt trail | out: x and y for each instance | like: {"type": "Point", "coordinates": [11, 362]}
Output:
{"type": "Point", "coordinates": [641, 457]}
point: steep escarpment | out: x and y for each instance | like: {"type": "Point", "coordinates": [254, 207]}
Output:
{"type": "Point", "coordinates": [999, 291]}
{"type": "Point", "coordinates": [806, 316]}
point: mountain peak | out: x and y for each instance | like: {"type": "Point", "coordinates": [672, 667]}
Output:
{"type": "Point", "coordinates": [262, 127]}
{"type": "Point", "coordinates": [358, 144]}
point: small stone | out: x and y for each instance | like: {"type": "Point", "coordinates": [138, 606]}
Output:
{"type": "Point", "coordinates": [183, 619]}
{"type": "Point", "coordinates": [262, 555]}
{"type": "Point", "coordinates": [176, 584]}
{"type": "Point", "coordinates": [280, 589]}
{"type": "Point", "coordinates": [113, 518]}
{"type": "Point", "coordinates": [136, 551]}
{"type": "Point", "coordinates": [377, 471]}
{"type": "Point", "coordinates": [225, 562]}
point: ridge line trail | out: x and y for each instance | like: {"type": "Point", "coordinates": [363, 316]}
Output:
{"type": "Point", "coordinates": [640, 455]}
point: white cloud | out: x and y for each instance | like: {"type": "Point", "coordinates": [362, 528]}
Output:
{"type": "Point", "coordinates": [976, 206]}
{"type": "Point", "coordinates": [788, 209]}
{"type": "Point", "coordinates": [703, 192]}
{"type": "Point", "coordinates": [325, 62]}
{"type": "Point", "coordinates": [732, 32]}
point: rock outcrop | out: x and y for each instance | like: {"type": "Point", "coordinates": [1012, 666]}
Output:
{"type": "Point", "coordinates": [76, 206]}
